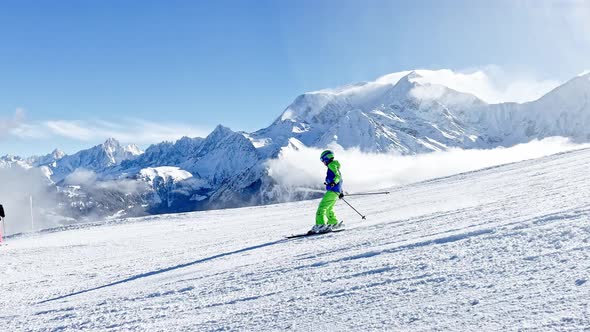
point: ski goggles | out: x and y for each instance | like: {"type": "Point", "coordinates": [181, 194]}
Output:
{"type": "Point", "coordinates": [326, 157]}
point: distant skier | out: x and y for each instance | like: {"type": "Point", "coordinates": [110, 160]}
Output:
{"type": "Point", "coordinates": [2, 216]}
{"type": "Point", "coordinates": [334, 191]}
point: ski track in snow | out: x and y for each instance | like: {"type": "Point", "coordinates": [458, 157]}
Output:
{"type": "Point", "coordinates": [505, 248]}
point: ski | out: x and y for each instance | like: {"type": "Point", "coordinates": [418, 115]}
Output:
{"type": "Point", "coordinates": [310, 233]}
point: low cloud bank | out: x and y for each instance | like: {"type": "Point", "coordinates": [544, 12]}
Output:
{"type": "Point", "coordinates": [17, 186]}
{"type": "Point", "coordinates": [301, 170]}
{"type": "Point", "coordinates": [90, 181]}
{"type": "Point", "coordinates": [85, 198]}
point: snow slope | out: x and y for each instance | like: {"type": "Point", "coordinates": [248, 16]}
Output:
{"type": "Point", "coordinates": [505, 248]}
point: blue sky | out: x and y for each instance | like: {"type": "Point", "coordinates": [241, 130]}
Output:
{"type": "Point", "coordinates": [74, 72]}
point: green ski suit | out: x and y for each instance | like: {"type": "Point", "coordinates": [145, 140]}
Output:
{"type": "Point", "coordinates": [326, 207]}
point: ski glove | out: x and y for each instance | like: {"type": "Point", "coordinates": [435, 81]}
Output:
{"type": "Point", "coordinates": [341, 195]}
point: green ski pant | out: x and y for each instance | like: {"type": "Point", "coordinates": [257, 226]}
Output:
{"type": "Point", "coordinates": [326, 209]}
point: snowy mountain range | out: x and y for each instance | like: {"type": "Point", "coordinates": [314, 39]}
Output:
{"type": "Point", "coordinates": [401, 113]}
{"type": "Point", "coordinates": [409, 115]}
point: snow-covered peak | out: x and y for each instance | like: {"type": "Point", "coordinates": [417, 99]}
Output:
{"type": "Point", "coordinates": [474, 84]}
{"type": "Point", "coordinates": [393, 78]}
{"type": "Point", "coordinates": [57, 154]}
{"type": "Point", "coordinates": [220, 131]}
{"type": "Point", "coordinates": [9, 161]}
{"type": "Point", "coordinates": [574, 94]}
{"type": "Point", "coordinates": [10, 158]}
{"type": "Point", "coordinates": [219, 134]}
{"type": "Point", "coordinates": [33, 161]}
{"type": "Point", "coordinates": [223, 139]}
{"type": "Point", "coordinates": [444, 85]}
{"type": "Point", "coordinates": [349, 88]}
{"type": "Point", "coordinates": [361, 87]}
{"type": "Point", "coordinates": [165, 154]}
{"type": "Point", "coordinates": [111, 145]}
{"type": "Point", "coordinates": [132, 149]}
{"type": "Point", "coordinates": [49, 159]}
{"type": "Point", "coordinates": [117, 152]}
{"type": "Point", "coordinates": [423, 76]}
{"type": "Point", "coordinates": [97, 158]}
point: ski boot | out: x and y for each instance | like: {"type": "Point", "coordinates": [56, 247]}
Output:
{"type": "Point", "coordinates": [320, 228]}
{"type": "Point", "coordinates": [333, 227]}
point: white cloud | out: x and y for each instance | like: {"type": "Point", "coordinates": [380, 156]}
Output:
{"type": "Point", "coordinates": [564, 27]}
{"type": "Point", "coordinates": [80, 177]}
{"type": "Point", "coordinates": [579, 12]}
{"type": "Point", "coordinates": [14, 121]}
{"type": "Point", "coordinates": [88, 179]}
{"type": "Point", "coordinates": [71, 129]}
{"type": "Point", "coordinates": [128, 130]}
{"type": "Point", "coordinates": [428, 92]}
{"type": "Point", "coordinates": [124, 186]}
{"type": "Point", "coordinates": [302, 169]}
{"type": "Point", "coordinates": [28, 131]}
{"type": "Point", "coordinates": [136, 131]}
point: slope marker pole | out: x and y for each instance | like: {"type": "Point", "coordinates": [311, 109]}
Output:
{"type": "Point", "coordinates": [32, 220]}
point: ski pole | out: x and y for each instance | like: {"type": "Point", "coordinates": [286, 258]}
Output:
{"type": "Point", "coordinates": [3, 234]}
{"type": "Point", "coordinates": [363, 217]}
{"type": "Point", "coordinates": [363, 194]}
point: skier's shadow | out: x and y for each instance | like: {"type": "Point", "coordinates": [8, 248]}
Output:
{"type": "Point", "coordinates": [172, 268]}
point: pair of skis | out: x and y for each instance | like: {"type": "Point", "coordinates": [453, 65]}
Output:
{"type": "Point", "coordinates": [310, 233]}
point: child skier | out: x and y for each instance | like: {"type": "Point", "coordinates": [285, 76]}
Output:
{"type": "Point", "coordinates": [334, 191]}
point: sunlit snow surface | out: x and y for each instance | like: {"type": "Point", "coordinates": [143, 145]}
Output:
{"type": "Point", "coordinates": [507, 248]}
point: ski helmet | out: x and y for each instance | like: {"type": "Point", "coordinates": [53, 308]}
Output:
{"type": "Point", "coordinates": [326, 156]}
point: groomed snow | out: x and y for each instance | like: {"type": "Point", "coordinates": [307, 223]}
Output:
{"type": "Point", "coordinates": [506, 248]}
